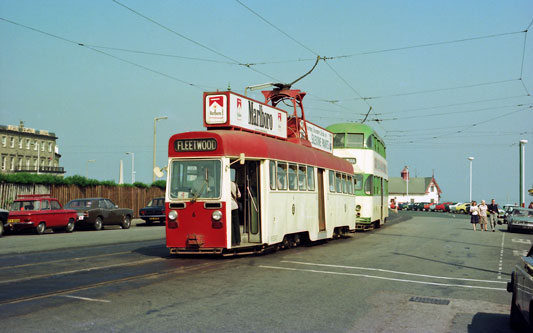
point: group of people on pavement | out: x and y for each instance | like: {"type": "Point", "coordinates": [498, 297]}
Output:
{"type": "Point", "coordinates": [484, 214]}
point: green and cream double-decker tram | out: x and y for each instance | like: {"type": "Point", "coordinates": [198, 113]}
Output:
{"type": "Point", "coordinates": [365, 150]}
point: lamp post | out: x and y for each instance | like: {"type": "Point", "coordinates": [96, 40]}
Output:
{"type": "Point", "coordinates": [87, 168]}
{"type": "Point", "coordinates": [470, 159]}
{"type": "Point", "coordinates": [155, 122]}
{"type": "Point", "coordinates": [132, 166]}
{"type": "Point", "coordinates": [522, 169]}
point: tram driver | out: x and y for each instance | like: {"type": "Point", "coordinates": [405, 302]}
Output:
{"type": "Point", "coordinates": [203, 183]}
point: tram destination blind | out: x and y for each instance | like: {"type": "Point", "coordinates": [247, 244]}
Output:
{"type": "Point", "coordinates": [187, 145]}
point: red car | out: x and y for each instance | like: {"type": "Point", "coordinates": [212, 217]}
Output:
{"type": "Point", "coordinates": [443, 207]}
{"type": "Point", "coordinates": [40, 211]}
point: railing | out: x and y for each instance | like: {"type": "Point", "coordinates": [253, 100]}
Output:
{"type": "Point", "coordinates": [43, 169]}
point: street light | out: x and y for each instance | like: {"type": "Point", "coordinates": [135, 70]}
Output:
{"type": "Point", "coordinates": [87, 168]}
{"type": "Point", "coordinates": [132, 166]}
{"type": "Point", "coordinates": [155, 122]}
{"type": "Point", "coordinates": [470, 159]}
{"type": "Point", "coordinates": [522, 169]}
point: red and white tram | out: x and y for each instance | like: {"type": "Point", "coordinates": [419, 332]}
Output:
{"type": "Point", "coordinates": [291, 187]}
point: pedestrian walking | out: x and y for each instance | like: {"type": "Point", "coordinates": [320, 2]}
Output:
{"type": "Point", "coordinates": [483, 208]}
{"type": "Point", "coordinates": [493, 217]}
{"type": "Point", "coordinates": [474, 214]}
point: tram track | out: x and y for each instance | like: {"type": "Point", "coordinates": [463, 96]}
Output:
{"type": "Point", "coordinates": [181, 269]}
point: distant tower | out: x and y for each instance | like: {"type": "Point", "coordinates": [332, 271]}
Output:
{"type": "Point", "coordinates": [405, 173]}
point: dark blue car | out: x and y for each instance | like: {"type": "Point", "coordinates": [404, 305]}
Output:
{"type": "Point", "coordinates": [154, 211]}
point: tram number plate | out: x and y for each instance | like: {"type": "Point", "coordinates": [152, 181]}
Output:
{"type": "Point", "coordinates": [13, 220]}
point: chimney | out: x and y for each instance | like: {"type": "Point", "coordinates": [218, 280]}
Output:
{"type": "Point", "coordinates": [405, 173]}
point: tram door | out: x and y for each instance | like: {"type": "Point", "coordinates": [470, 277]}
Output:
{"type": "Point", "coordinates": [252, 209]}
{"type": "Point", "coordinates": [321, 205]}
{"type": "Point", "coordinates": [382, 203]}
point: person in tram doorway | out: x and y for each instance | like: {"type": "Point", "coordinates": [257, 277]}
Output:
{"type": "Point", "coordinates": [235, 222]}
{"type": "Point", "coordinates": [483, 215]}
{"type": "Point", "coordinates": [493, 217]}
{"type": "Point", "coordinates": [474, 214]}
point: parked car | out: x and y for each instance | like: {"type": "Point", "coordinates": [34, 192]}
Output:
{"type": "Point", "coordinates": [411, 206]}
{"type": "Point", "coordinates": [453, 207]}
{"type": "Point", "coordinates": [432, 207]}
{"type": "Point", "coordinates": [3, 220]}
{"type": "Point", "coordinates": [443, 207]}
{"type": "Point", "coordinates": [521, 285]}
{"type": "Point", "coordinates": [97, 212]}
{"type": "Point", "coordinates": [463, 208]}
{"type": "Point", "coordinates": [403, 206]}
{"type": "Point", "coordinates": [507, 211]}
{"type": "Point", "coordinates": [419, 205]}
{"type": "Point", "coordinates": [154, 211]}
{"type": "Point", "coordinates": [520, 219]}
{"type": "Point", "coordinates": [40, 211]}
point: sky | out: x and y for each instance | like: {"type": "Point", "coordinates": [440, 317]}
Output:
{"type": "Point", "coordinates": [445, 80]}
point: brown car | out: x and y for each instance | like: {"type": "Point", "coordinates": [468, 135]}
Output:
{"type": "Point", "coordinates": [97, 212]}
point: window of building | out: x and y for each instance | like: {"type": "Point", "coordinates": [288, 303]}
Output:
{"type": "Point", "coordinates": [35, 145]}
{"type": "Point", "coordinates": [42, 145]}
{"type": "Point", "coordinates": [28, 144]}
{"type": "Point", "coordinates": [12, 142]}
{"type": "Point", "coordinates": [50, 147]}
{"type": "Point", "coordinates": [432, 189]}
{"type": "Point", "coordinates": [4, 162]}
{"type": "Point", "coordinates": [12, 166]}
{"type": "Point", "coordinates": [4, 141]}
{"type": "Point", "coordinates": [20, 143]}
{"type": "Point", "coordinates": [21, 161]}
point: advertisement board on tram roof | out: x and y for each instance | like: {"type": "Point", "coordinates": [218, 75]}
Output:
{"type": "Point", "coordinates": [227, 109]}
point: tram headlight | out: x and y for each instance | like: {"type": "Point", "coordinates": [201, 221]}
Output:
{"type": "Point", "coordinates": [172, 215]}
{"type": "Point", "coordinates": [217, 215]}
{"type": "Point", "coordinates": [358, 208]}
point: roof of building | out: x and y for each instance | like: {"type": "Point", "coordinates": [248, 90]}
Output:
{"type": "Point", "coordinates": [418, 185]}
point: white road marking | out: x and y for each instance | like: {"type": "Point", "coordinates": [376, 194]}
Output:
{"type": "Point", "coordinates": [86, 299]}
{"type": "Point", "coordinates": [384, 278]}
{"type": "Point", "coordinates": [521, 241]}
{"type": "Point", "coordinates": [500, 264]}
{"type": "Point", "coordinates": [520, 253]}
{"type": "Point", "coordinates": [393, 272]}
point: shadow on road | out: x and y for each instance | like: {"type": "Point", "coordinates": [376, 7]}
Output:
{"type": "Point", "coordinates": [489, 322]}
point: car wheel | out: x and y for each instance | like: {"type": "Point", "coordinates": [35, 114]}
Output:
{"type": "Point", "coordinates": [40, 228]}
{"type": "Point", "coordinates": [461, 211]}
{"type": "Point", "coordinates": [98, 223]}
{"type": "Point", "coordinates": [126, 223]}
{"type": "Point", "coordinates": [70, 226]}
{"type": "Point", "coordinates": [515, 318]}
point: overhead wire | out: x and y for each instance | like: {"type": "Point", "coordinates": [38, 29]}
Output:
{"type": "Point", "coordinates": [104, 53]}
{"type": "Point", "coordinates": [190, 39]}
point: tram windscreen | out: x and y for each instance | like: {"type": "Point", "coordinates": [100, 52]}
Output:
{"type": "Point", "coordinates": [199, 179]}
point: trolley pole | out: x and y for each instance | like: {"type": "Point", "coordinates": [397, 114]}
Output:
{"type": "Point", "coordinates": [522, 168]}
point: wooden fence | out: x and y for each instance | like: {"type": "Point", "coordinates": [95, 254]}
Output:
{"type": "Point", "coordinates": [126, 197]}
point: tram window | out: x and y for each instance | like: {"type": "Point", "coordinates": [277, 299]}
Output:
{"type": "Point", "coordinates": [344, 184]}
{"type": "Point", "coordinates": [338, 140]}
{"type": "Point", "coordinates": [195, 178]}
{"type": "Point", "coordinates": [282, 176]}
{"type": "Point", "coordinates": [272, 175]}
{"type": "Point", "coordinates": [331, 181]}
{"type": "Point", "coordinates": [302, 176]}
{"type": "Point", "coordinates": [368, 185]}
{"type": "Point", "coordinates": [293, 177]}
{"type": "Point", "coordinates": [370, 142]}
{"type": "Point", "coordinates": [338, 182]}
{"type": "Point", "coordinates": [358, 182]}
{"type": "Point", "coordinates": [350, 185]}
{"type": "Point", "coordinates": [354, 141]}
{"type": "Point", "coordinates": [310, 178]}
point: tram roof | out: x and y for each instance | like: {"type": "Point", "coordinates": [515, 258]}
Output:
{"type": "Point", "coordinates": [353, 128]}
{"type": "Point", "coordinates": [254, 146]}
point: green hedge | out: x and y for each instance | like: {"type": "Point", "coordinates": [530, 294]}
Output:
{"type": "Point", "coordinates": [31, 178]}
